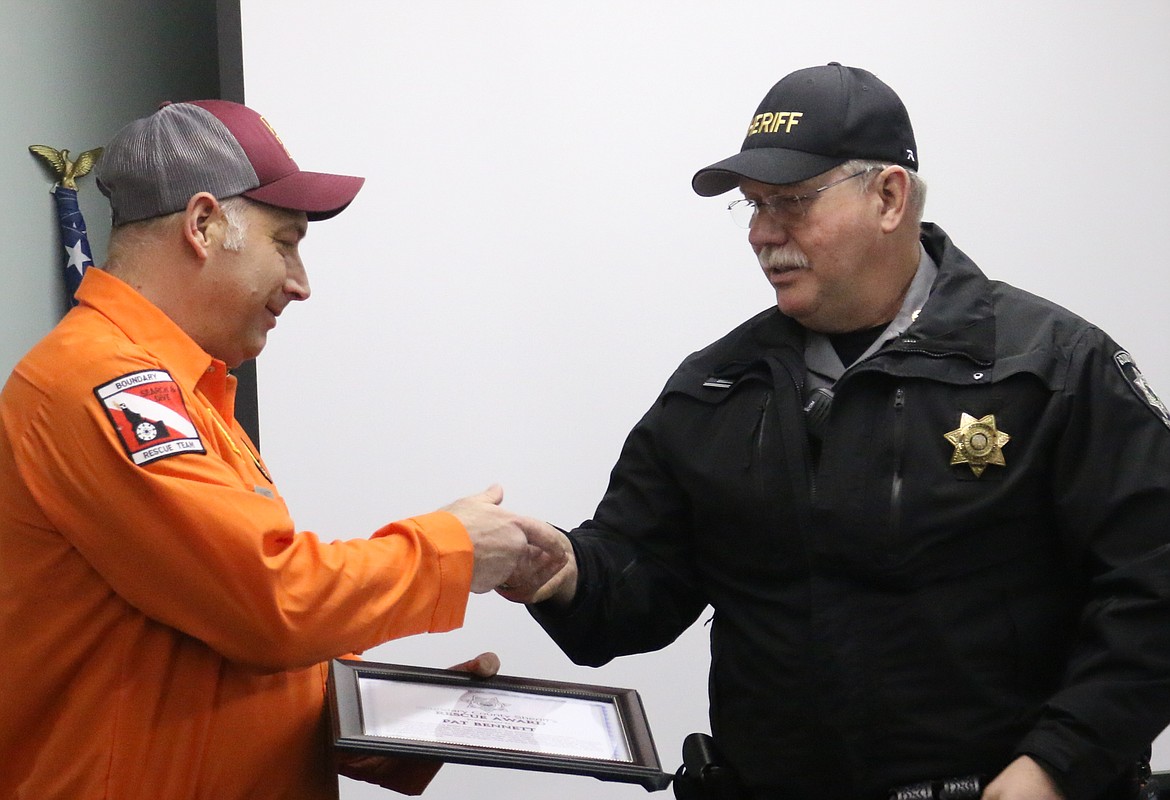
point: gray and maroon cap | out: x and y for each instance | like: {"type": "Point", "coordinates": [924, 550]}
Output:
{"type": "Point", "coordinates": [154, 165]}
{"type": "Point", "coordinates": [811, 121]}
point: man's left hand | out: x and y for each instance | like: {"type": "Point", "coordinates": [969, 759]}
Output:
{"type": "Point", "coordinates": [409, 775]}
{"type": "Point", "coordinates": [1023, 779]}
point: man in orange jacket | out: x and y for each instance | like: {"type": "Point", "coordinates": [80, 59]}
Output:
{"type": "Point", "coordinates": [165, 626]}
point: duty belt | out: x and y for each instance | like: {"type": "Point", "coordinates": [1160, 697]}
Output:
{"type": "Point", "coordinates": [969, 788]}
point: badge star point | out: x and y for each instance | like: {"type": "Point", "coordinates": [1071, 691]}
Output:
{"type": "Point", "coordinates": [978, 443]}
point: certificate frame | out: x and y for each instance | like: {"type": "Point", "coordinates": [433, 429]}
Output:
{"type": "Point", "coordinates": [638, 761]}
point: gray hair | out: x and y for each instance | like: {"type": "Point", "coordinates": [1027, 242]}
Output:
{"type": "Point", "coordinates": [237, 222]}
{"type": "Point", "coordinates": [132, 236]}
{"type": "Point", "coordinates": [917, 196]}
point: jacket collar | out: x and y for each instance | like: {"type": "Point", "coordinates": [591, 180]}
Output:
{"type": "Point", "coordinates": [958, 317]}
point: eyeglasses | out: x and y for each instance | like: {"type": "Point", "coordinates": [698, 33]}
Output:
{"type": "Point", "coordinates": [785, 208]}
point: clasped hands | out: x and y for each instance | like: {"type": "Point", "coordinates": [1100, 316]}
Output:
{"type": "Point", "coordinates": [522, 557]}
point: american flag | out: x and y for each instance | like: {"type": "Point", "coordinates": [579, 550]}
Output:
{"type": "Point", "coordinates": [73, 238]}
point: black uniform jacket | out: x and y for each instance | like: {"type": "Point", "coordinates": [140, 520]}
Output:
{"type": "Point", "coordinates": [907, 609]}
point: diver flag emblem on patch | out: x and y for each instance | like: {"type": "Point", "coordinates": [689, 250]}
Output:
{"type": "Point", "coordinates": [147, 411]}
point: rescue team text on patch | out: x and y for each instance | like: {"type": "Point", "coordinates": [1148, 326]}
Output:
{"type": "Point", "coordinates": [771, 121]}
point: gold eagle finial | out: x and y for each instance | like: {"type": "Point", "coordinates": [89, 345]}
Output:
{"type": "Point", "coordinates": [68, 172]}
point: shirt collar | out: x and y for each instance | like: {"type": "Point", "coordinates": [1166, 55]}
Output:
{"type": "Point", "coordinates": [821, 359]}
{"type": "Point", "coordinates": [146, 325]}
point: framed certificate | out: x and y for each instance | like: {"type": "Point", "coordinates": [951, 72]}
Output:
{"type": "Point", "coordinates": [521, 723]}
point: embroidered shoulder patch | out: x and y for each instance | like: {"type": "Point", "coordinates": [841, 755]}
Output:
{"type": "Point", "coordinates": [147, 411]}
{"type": "Point", "coordinates": [1133, 376]}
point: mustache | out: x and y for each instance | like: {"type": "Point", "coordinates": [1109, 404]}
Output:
{"type": "Point", "coordinates": [773, 256]}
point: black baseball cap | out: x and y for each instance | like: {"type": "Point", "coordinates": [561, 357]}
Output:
{"type": "Point", "coordinates": [811, 121]}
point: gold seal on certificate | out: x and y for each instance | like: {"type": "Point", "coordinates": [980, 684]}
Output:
{"type": "Point", "coordinates": [504, 721]}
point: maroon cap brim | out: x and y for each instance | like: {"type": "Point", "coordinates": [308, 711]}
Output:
{"type": "Point", "coordinates": [319, 194]}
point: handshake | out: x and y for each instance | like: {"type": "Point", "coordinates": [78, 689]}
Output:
{"type": "Point", "coordinates": [524, 559]}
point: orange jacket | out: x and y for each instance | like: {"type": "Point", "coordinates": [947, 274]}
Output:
{"type": "Point", "coordinates": [163, 625]}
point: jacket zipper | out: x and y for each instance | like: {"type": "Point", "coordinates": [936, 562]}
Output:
{"type": "Point", "coordinates": [760, 425]}
{"type": "Point", "coordinates": [904, 346]}
{"type": "Point", "coordinates": [896, 481]}
{"type": "Point", "coordinates": [759, 441]}
{"type": "Point", "coordinates": [797, 377]}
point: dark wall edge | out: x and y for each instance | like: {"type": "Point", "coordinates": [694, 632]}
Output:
{"type": "Point", "coordinates": [231, 87]}
{"type": "Point", "coordinates": [231, 50]}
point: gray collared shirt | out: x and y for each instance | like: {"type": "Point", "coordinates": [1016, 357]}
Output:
{"type": "Point", "coordinates": [821, 361]}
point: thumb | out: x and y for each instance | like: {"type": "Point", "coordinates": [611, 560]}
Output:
{"type": "Point", "coordinates": [485, 665]}
{"type": "Point", "coordinates": [494, 494]}
{"type": "Point", "coordinates": [548, 538]}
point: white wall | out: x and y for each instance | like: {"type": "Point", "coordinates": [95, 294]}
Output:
{"type": "Point", "coordinates": [528, 263]}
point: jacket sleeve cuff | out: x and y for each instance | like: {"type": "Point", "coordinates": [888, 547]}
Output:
{"type": "Point", "coordinates": [1079, 775]}
{"type": "Point", "coordinates": [454, 558]}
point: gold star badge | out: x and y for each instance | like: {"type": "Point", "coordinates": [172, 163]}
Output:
{"type": "Point", "coordinates": [977, 443]}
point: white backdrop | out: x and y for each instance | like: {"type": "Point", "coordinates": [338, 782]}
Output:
{"type": "Point", "coordinates": [527, 262]}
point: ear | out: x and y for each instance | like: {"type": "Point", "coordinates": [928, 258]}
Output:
{"type": "Point", "coordinates": [202, 221]}
{"type": "Point", "coordinates": [892, 187]}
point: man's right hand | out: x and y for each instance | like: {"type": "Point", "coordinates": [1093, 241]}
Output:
{"type": "Point", "coordinates": [1023, 779]}
{"type": "Point", "coordinates": [504, 541]}
{"type": "Point", "coordinates": [537, 579]}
